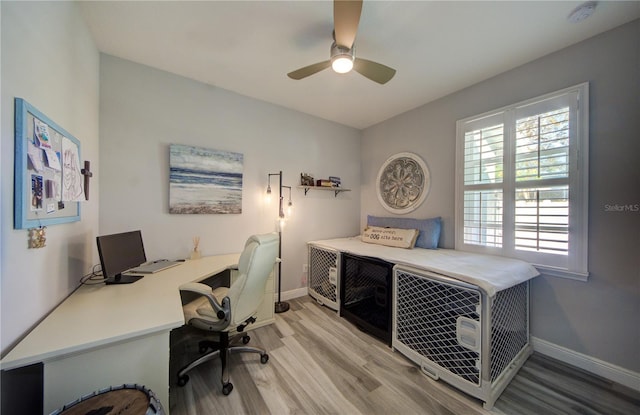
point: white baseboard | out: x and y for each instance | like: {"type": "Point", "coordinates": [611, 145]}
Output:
{"type": "Point", "coordinates": [598, 367]}
{"type": "Point", "coordinates": [289, 295]}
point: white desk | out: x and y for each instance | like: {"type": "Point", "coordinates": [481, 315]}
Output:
{"type": "Point", "coordinates": [108, 335]}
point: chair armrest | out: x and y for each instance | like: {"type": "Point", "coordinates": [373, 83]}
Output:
{"type": "Point", "coordinates": [234, 267]}
{"type": "Point", "coordinates": [203, 289]}
{"type": "Point", "coordinates": [197, 287]}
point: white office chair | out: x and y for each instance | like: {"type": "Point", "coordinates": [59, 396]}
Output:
{"type": "Point", "coordinates": [227, 311]}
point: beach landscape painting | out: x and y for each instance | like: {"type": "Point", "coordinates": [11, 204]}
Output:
{"type": "Point", "coordinates": [204, 181]}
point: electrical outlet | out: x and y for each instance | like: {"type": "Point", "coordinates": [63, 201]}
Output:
{"type": "Point", "coordinates": [305, 267]}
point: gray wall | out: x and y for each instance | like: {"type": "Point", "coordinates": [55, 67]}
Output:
{"type": "Point", "coordinates": [49, 59]}
{"type": "Point", "coordinates": [143, 110]}
{"type": "Point", "coordinates": [597, 318]}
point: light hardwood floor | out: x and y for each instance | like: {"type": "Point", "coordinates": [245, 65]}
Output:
{"type": "Point", "coordinates": [321, 364]}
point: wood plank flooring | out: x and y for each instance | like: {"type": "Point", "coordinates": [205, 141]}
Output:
{"type": "Point", "coordinates": [321, 364]}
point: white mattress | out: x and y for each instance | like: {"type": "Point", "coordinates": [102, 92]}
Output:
{"type": "Point", "coordinates": [490, 272]}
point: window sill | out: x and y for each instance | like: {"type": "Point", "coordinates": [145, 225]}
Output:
{"type": "Point", "coordinates": [562, 273]}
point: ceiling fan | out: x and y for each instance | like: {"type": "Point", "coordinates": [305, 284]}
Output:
{"type": "Point", "coordinates": [346, 16]}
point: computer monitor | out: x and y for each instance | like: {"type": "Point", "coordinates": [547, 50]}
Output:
{"type": "Point", "coordinates": [118, 253]}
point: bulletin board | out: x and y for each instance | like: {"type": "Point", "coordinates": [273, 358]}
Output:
{"type": "Point", "coordinates": [47, 177]}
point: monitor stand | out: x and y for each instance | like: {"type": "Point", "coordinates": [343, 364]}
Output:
{"type": "Point", "coordinates": [122, 279]}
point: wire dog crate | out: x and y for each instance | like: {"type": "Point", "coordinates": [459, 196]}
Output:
{"type": "Point", "coordinates": [323, 281]}
{"type": "Point", "coordinates": [459, 334]}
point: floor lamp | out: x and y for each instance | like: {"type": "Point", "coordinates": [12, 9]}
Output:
{"type": "Point", "coordinates": [280, 306]}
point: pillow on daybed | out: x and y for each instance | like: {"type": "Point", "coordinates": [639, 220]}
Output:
{"type": "Point", "coordinates": [429, 228]}
{"type": "Point", "coordinates": [399, 238]}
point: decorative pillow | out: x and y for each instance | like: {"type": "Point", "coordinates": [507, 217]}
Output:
{"type": "Point", "coordinates": [400, 238]}
{"type": "Point", "coordinates": [429, 228]}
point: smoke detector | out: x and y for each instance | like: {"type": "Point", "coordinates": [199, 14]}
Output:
{"type": "Point", "coordinates": [582, 12]}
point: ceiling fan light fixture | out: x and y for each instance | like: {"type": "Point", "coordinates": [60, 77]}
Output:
{"type": "Point", "coordinates": [346, 17]}
{"type": "Point", "coordinates": [342, 64]}
{"type": "Point", "coordinates": [341, 58]}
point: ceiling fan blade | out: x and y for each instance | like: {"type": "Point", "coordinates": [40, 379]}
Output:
{"type": "Point", "coordinates": [346, 17]}
{"type": "Point", "coordinates": [377, 72]}
{"type": "Point", "coordinates": [309, 70]}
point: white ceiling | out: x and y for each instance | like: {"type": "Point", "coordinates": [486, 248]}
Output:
{"type": "Point", "coordinates": [437, 47]}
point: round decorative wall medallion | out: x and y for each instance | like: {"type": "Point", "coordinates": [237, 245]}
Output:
{"type": "Point", "coordinates": [403, 183]}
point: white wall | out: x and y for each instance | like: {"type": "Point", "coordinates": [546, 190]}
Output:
{"type": "Point", "coordinates": [49, 59]}
{"type": "Point", "coordinates": [597, 318]}
{"type": "Point", "coordinates": [143, 110]}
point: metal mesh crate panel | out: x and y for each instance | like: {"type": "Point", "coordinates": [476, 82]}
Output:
{"type": "Point", "coordinates": [426, 315]}
{"type": "Point", "coordinates": [364, 281]}
{"type": "Point", "coordinates": [509, 327]}
{"type": "Point", "coordinates": [320, 262]}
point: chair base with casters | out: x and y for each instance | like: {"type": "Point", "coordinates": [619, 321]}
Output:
{"type": "Point", "coordinates": [222, 349]}
{"type": "Point", "coordinates": [226, 312]}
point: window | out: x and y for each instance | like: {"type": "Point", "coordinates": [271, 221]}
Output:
{"type": "Point", "coordinates": [522, 182]}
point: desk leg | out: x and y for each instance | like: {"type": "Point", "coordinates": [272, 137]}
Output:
{"type": "Point", "coordinates": [144, 361]}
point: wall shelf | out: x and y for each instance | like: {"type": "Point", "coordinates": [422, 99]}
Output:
{"type": "Point", "coordinates": [336, 190]}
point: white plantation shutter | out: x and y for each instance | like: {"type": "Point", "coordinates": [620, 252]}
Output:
{"type": "Point", "coordinates": [542, 179]}
{"type": "Point", "coordinates": [542, 220]}
{"type": "Point", "coordinates": [483, 217]}
{"type": "Point", "coordinates": [483, 152]}
{"type": "Point", "coordinates": [483, 174]}
{"type": "Point", "coordinates": [521, 186]}
{"type": "Point", "coordinates": [542, 146]}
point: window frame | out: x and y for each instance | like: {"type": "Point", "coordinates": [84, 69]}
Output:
{"type": "Point", "coordinates": [575, 266]}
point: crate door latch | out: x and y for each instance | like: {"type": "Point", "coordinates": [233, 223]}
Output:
{"type": "Point", "coordinates": [333, 276]}
{"type": "Point", "coordinates": [468, 333]}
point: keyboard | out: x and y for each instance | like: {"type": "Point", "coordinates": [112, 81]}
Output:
{"type": "Point", "coordinates": [153, 267]}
